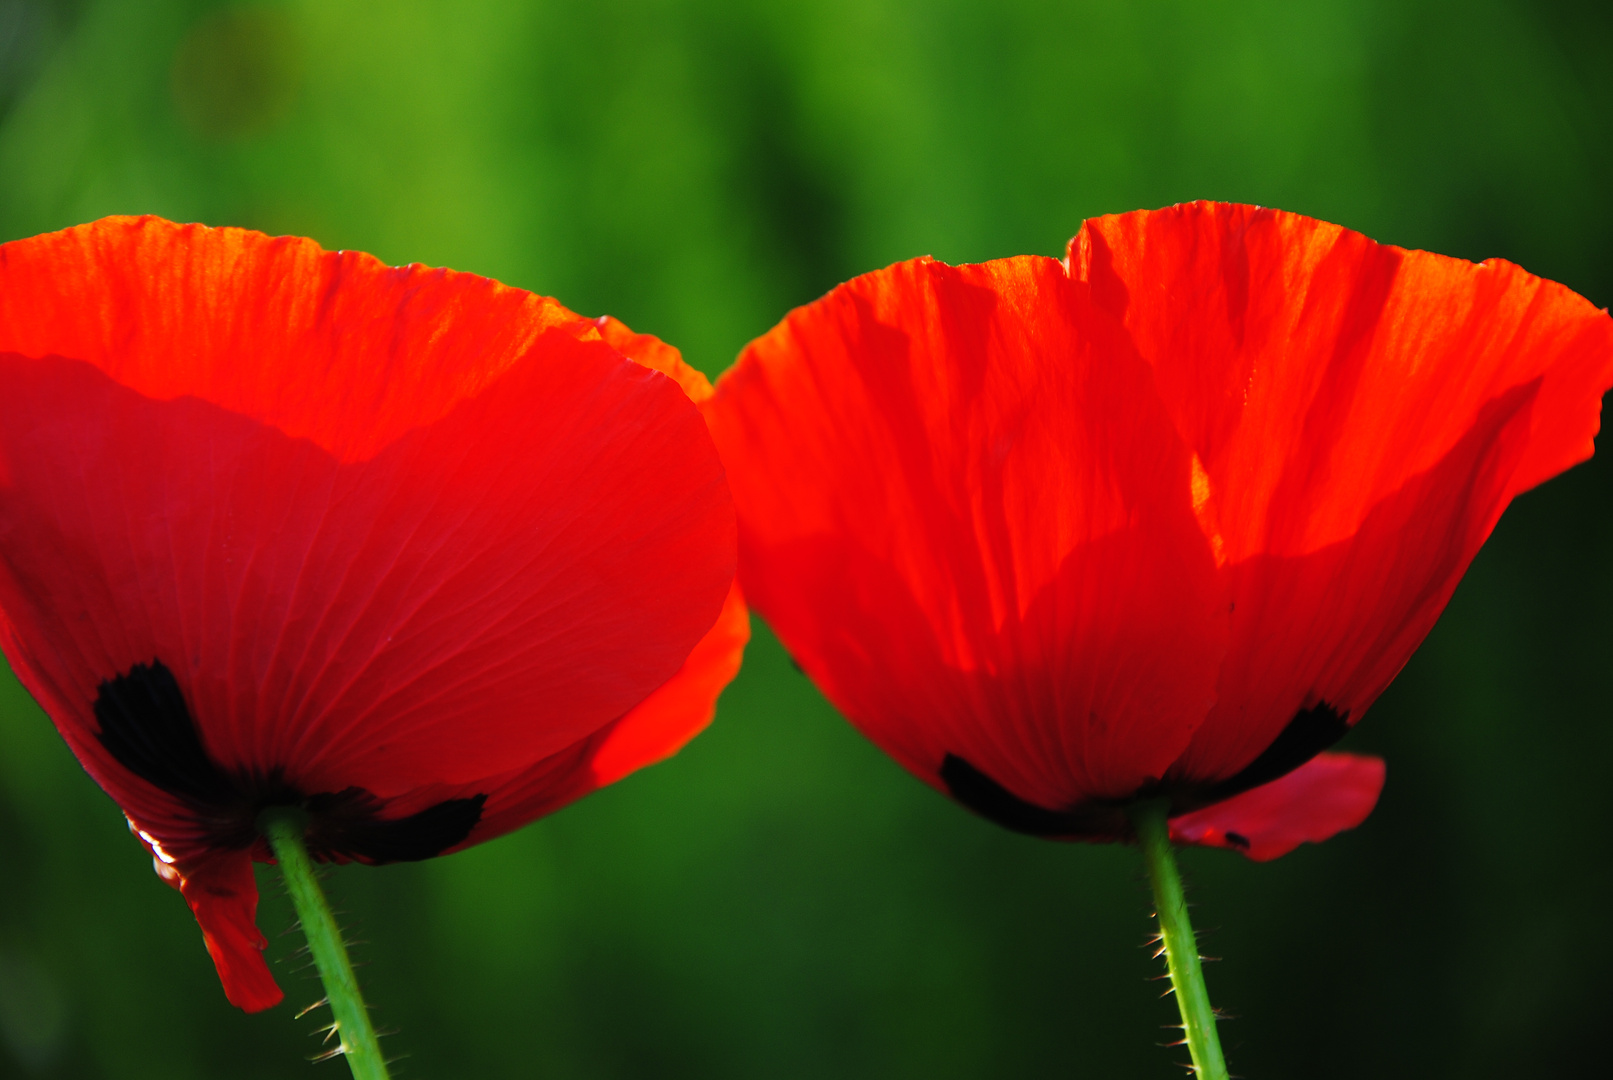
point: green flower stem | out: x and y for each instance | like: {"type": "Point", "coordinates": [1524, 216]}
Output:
{"type": "Point", "coordinates": [1181, 947]}
{"type": "Point", "coordinates": [284, 830]}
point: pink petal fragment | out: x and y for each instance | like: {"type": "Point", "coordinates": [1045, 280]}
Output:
{"type": "Point", "coordinates": [1326, 795]}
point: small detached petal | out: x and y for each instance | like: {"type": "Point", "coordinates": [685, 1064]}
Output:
{"type": "Point", "coordinates": [1327, 795]}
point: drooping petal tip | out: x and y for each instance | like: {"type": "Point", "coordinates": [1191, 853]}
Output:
{"type": "Point", "coordinates": [222, 894]}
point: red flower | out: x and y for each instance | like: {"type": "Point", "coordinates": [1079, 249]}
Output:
{"type": "Point", "coordinates": [1161, 519]}
{"type": "Point", "coordinates": [416, 551]}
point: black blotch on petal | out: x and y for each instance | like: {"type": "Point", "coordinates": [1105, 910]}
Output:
{"type": "Point", "coordinates": [147, 727]}
{"type": "Point", "coordinates": [1310, 732]}
{"type": "Point", "coordinates": [986, 797]}
{"type": "Point", "coordinates": [348, 823]}
{"type": "Point", "coordinates": [430, 832]}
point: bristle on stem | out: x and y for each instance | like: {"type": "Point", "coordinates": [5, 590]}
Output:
{"type": "Point", "coordinates": [1181, 946]}
{"type": "Point", "coordinates": [284, 830]}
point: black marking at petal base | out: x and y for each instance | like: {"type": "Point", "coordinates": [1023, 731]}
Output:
{"type": "Point", "coordinates": [347, 823]}
{"type": "Point", "coordinates": [1310, 732]}
{"type": "Point", "coordinates": [147, 728]}
{"type": "Point", "coordinates": [997, 804]}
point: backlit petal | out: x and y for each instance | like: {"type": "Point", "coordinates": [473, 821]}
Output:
{"type": "Point", "coordinates": [653, 731]}
{"type": "Point", "coordinates": [223, 896]}
{"type": "Point", "coordinates": [1362, 415]}
{"type": "Point", "coordinates": [968, 517]}
{"type": "Point", "coordinates": [513, 532]}
{"type": "Point", "coordinates": [283, 524]}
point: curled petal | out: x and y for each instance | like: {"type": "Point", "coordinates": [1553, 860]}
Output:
{"type": "Point", "coordinates": [223, 895]}
{"type": "Point", "coordinates": [655, 354]}
{"type": "Point", "coordinates": [676, 711]}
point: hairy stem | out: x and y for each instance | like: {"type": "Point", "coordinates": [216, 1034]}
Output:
{"type": "Point", "coordinates": [284, 830]}
{"type": "Point", "coordinates": [1181, 947]}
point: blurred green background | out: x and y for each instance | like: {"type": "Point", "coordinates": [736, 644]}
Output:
{"type": "Point", "coordinates": [781, 900]}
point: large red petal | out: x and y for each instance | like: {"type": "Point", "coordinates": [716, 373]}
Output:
{"type": "Point", "coordinates": [1327, 795]}
{"type": "Point", "coordinates": [333, 347]}
{"type": "Point", "coordinates": [1360, 415]}
{"type": "Point", "coordinates": [966, 514]}
{"type": "Point", "coordinates": [661, 724]}
{"type": "Point", "coordinates": [680, 708]}
{"type": "Point", "coordinates": [677, 711]}
{"type": "Point", "coordinates": [387, 527]}
{"type": "Point", "coordinates": [655, 729]}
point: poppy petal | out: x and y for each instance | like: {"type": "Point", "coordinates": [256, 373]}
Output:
{"type": "Point", "coordinates": [1359, 416]}
{"type": "Point", "coordinates": [654, 730]}
{"type": "Point", "coordinates": [509, 523]}
{"type": "Point", "coordinates": [661, 724]}
{"type": "Point", "coordinates": [966, 514]}
{"type": "Point", "coordinates": [654, 354]}
{"type": "Point", "coordinates": [677, 711]}
{"type": "Point", "coordinates": [333, 347]}
{"type": "Point", "coordinates": [680, 708]}
{"type": "Point", "coordinates": [223, 896]}
{"type": "Point", "coordinates": [1327, 795]}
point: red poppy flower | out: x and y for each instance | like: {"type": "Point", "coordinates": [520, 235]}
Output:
{"type": "Point", "coordinates": [418, 552]}
{"type": "Point", "coordinates": [1162, 519]}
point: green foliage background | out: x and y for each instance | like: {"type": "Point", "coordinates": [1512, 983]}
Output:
{"type": "Point", "coordinates": [781, 900]}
